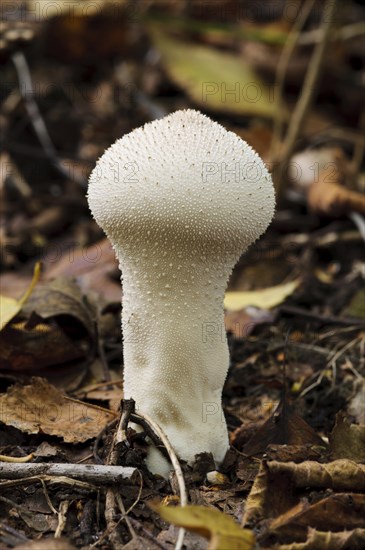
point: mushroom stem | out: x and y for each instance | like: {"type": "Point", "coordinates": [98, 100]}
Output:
{"type": "Point", "coordinates": [173, 339]}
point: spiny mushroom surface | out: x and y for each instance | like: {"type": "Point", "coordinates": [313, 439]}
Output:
{"type": "Point", "coordinates": [181, 199]}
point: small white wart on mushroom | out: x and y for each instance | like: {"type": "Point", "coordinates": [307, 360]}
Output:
{"type": "Point", "coordinates": [180, 199]}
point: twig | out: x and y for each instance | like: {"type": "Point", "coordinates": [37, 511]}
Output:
{"type": "Point", "coordinates": [147, 534]}
{"type": "Point", "coordinates": [62, 518]}
{"type": "Point", "coordinates": [101, 474]}
{"type": "Point", "coordinates": [110, 517]}
{"type": "Point", "coordinates": [344, 321]}
{"type": "Point", "coordinates": [359, 221]}
{"type": "Point", "coordinates": [112, 498]}
{"type": "Point", "coordinates": [306, 98]}
{"type": "Point", "coordinates": [51, 480]}
{"type": "Point", "coordinates": [151, 434]}
{"type": "Point", "coordinates": [176, 465]}
{"type": "Point", "coordinates": [39, 126]}
{"type": "Point", "coordinates": [110, 425]}
{"type": "Point", "coordinates": [347, 32]}
{"type": "Point", "coordinates": [46, 496]}
{"type": "Point", "coordinates": [7, 530]}
{"type": "Point", "coordinates": [281, 71]}
{"type": "Point", "coordinates": [121, 507]}
{"type": "Point", "coordinates": [16, 459]}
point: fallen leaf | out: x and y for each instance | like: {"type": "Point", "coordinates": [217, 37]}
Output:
{"type": "Point", "coordinates": [326, 540]}
{"type": "Point", "coordinates": [208, 76]}
{"type": "Point", "coordinates": [330, 513]}
{"type": "Point", "coordinates": [93, 268]}
{"type": "Point", "coordinates": [221, 530]}
{"type": "Point", "coordinates": [31, 348]}
{"type": "Point", "coordinates": [284, 427]}
{"type": "Point", "coordinates": [42, 408]}
{"type": "Point", "coordinates": [242, 323]}
{"type": "Point", "coordinates": [276, 489]}
{"type": "Point", "coordinates": [332, 199]}
{"type": "Point", "coordinates": [57, 327]}
{"type": "Point", "coordinates": [59, 298]}
{"type": "Point", "coordinates": [9, 307]}
{"type": "Point", "coordinates": [347, 440]}
{"type": "Point", "coordinates": [266, 298]}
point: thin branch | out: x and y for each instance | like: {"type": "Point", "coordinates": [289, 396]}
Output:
{"type": "Point", "coordinates": [282, 68]}
{"type": "Point", "coordinates": [176, 465]}
{"type": "Point", "coordinates": [309, 85]}
{"type": "Point", "coordinates": [93, 473]}
{"type": "Point", "coordinates": [39, 126]}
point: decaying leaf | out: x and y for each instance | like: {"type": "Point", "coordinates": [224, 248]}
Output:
{"type": "Point", "coordinates": [333, 199]}
{"type": "Point", "coordinates": [9, 307]}
{"type": "Point", "coordinates": [326, 540]}
{"type": "Point", "coordinates": [60, 297]}
{"type": "Point", "coordinates": [42, 408]}
{"type": "Point", "coordinates": [56, 326]}
{"type": "Point", "coordinates": [331, 512]}
{"type": "Point", "coordinates": [208, 76]}
{"type": "Point", "coordinates": [31, 348]}
{"type": "Point", "coordinates": [221, 530]}
{"type": "Point", "coordinates": [242, 323]}
{"type": "Point", "coordinates": [276, 487]}
{"type": "Point", "coordinates": [339, 475]}
{"type": "Point", "coordinates": [347, 440]}
{"type": "Point", "coordinates": [266, 298]}
{"type": "Point", "coordinates": [284, 427]}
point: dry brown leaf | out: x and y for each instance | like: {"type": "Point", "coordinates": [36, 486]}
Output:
{"type": "Point", "coordinates": [93, 267]}
{"type": "Point", "coordinates": [273, 490]}
{"type": "Point", "coordinates": [347, 440]}
{"type": "Point", "coordinates": [332, 199]}
{"type": "Point", "coordinates": [32, 348]}
{"type": "Point", "coordinates": [339, 475]}
{"type": "Point", "coordinates": [41, 408]}
{"type": "Point", "coordinates": [336, 511]}
{"type": "Point", "coordinates": [284, 427]}
{"type": "Point", "coordinates": [242, 323]}
{"type": "Point", "coordinates": [325, 540]}
{"type": "Point", "coordinates": [58, 328]}
{"type": "Point", "coordinates": [60, 297]}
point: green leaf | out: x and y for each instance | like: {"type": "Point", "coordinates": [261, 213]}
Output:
{"type": "Point", "coordinates": [266, 298]}
{"type": "Point", "coordinates": [222, 531]}
{"type": "Point", "coordinates": [214, 80]}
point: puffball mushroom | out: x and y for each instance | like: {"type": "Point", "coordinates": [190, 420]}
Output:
{"type": "Point", "coordinates": [180, 199]}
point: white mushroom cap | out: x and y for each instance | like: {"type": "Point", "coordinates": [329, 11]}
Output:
{"type": "Point", "coordinates": [184, 175]}
{"type": "Point", "coordinates": [180, 198]}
